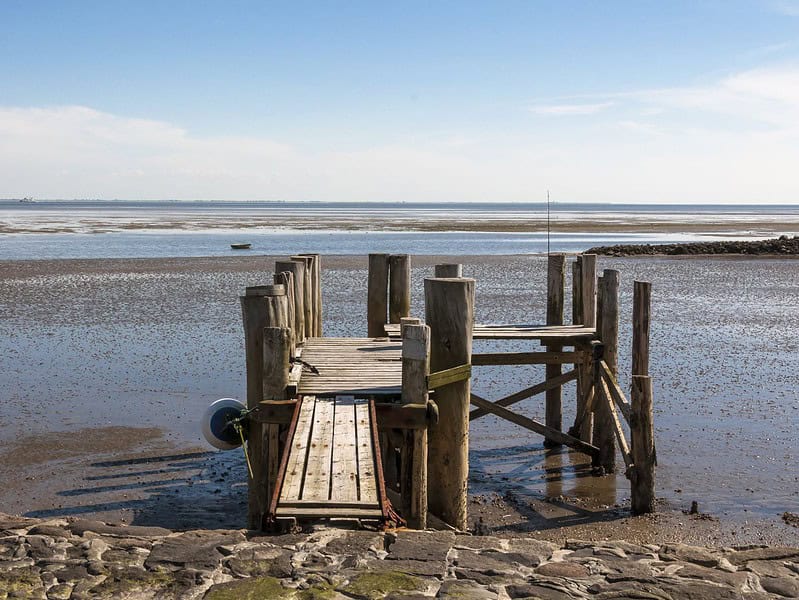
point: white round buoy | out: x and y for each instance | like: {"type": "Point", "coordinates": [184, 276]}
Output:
{"type": "Point", "coordinates": [215, 423]}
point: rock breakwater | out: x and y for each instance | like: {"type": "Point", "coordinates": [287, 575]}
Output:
{"type": "Point", "coordinates": [784, 245]}
{"type": "Point", "coordinates": [88, 559]}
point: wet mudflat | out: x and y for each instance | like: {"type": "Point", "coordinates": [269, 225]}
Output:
{"type": "Point", "coordinates": [108, 364]}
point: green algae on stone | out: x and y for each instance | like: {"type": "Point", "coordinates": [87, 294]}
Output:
{"type": "Point", "coordinates": [250, 589]}
{"type": "Point", "coordinates": [322, 591]}
{"type": "Point", "coordinates": [126, 581]}
{"type": "Point", "coordinates": [20, 583]}
{"type": "Point", "coordinates": [376, 585]}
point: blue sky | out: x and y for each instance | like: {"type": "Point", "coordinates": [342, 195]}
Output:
{"type": "Point", "coordinates": [432, 101]}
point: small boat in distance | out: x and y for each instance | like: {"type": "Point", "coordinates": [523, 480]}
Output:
{"type": "Point", "coordinates": [240, 246]}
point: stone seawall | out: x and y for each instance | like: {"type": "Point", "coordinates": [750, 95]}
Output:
{"type": "Point", "coordinates": [88, 559]}
{"type": "Point", "coordinates": [782, 246]}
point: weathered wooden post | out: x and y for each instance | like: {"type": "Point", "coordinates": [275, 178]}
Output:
{"type": "Point", "coordinates": [608, 323]}
{"type": "Point", "coordinates": [319, 311]}
{"type": "Point", "coordinates": [577, 293]}
{"type": "Point", "coordinates": [449, 270]}
{"type": "Point", "coordinates": [405, 321]}
{"type": "Point", "coordinates": [642, 293]}
{"type": "Point", "coordinates": [286, 279]}
{"type": "Point", "coordinates": [261, 307]}
{"type": "Point", "coordinates": [585, 289]}
{"type": "Point", "coordinates": [642, 432]}
{"type": "Point", "coordinates": [588, 289]}
{"type": "Point", "coordinates": [399, 287]}
{"type": "Point", "coordinates": [315, 270]}
{"type": "Point", "coordinates": [413, 478]}
{"type": "Point", "coordinates": [556, 277]}
{"type": "Point", "coordinates": [297, 269]}
{"type": "Point", "coordinates": [377, 295]}
{"type": "Point", "coordinates": [449, 311]}
{"type": "Point", "coordinates": [278, 348]}
{"type": "Point", "coordinates": [308, 294]}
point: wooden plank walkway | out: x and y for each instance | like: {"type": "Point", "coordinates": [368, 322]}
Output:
{"type": "Point", "coordinates": [331, 469]}
{"type": "Point", "coordinates": [360, 367]}
{"type": "Point", "coordinates": [554, 335]}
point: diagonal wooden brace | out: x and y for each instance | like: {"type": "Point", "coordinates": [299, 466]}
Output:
{"type": "Point", "coordinates": [540, 388]}
{"type": "Point", "coordinates": [533, 425]}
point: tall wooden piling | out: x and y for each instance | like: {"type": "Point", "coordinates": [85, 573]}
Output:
{"type": "Point", "coordinates": [286, 279]}
{"type": "Point", "coordinates": [413, 477]}
{"type": "Point", "coordinates": [261, 307]}
{"type": "Point", "coordinates": [308, 295]}
{"type": "Point", "coordinates": [449, 270]}
{"type": "Point", "coordinates": [297, 269]}
{"type": "Point", "coordinates": [556, 279]}
{"type": "Point", "coordinates": [642, 433]}
{"type": "Point", "coordinates": [577, 293]}
{"type": "Point", "coordinates": [449, 311]}
{"type": "Point", "coordinates": [642, 292]}
{"type": "Point", "coordinates": [399, 287]}
{"type": "Point", "coordinates": [608, 324]}
{"type": "Point", "coordinates": [316, 293]}
{"type": "Point", "coordinates": [582, 304]}
{"type": "Point", "coordinates": [588, 289]}
{"type": "Point", "coordinates": [377, 295]}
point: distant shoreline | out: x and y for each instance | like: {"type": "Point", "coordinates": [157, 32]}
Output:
{"type": "Point", "coordinates": [781, 246]}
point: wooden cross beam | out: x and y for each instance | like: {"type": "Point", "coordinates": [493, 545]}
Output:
{"type": "Point", "coordinates": [540, 388]}
{"type": "Point", "coordinates": [533, 425]}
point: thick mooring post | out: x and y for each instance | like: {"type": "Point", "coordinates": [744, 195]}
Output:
{"type": "Point", "coordinates": [377, 295]}
{"type": "Point", "coordinates": [642, 432]}
{"type": "Point", "coordinates": [556, 278]}
{"type": "Point", "coordinates": [608, 324]}
{"type": "Point", "coordinates": [449, 270]}
{"type": "Point", "coordinates": [297, 269]}
{"type": "Point", "coordinates": [399, 287]}
{"type": "Point", "coordinates": [278, 347]}
{"type": "Point", "coordinates": [413, 478]}
{"type": "Point", "coordinates": [261, 307]}
{"type": "Point", "coordinates": [449, 311]}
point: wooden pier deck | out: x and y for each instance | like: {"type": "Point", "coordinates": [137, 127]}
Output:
{"type": "Point", "coordinates": [361, 367]}
{"type": "Point", "coordinates": [332, 467]}
{"type": "Point", "coordinates": [565, 335]}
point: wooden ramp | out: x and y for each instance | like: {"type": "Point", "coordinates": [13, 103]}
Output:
{"type": "Point", "coordinates": [332, 467]}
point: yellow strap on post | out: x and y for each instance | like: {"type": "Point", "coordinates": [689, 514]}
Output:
{"type": "Point", "coordinates": [240, 431]}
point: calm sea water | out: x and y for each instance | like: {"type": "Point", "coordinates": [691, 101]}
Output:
{"type": "Point", "coordinates": [115, 229]}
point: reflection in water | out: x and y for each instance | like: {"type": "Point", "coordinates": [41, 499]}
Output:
{"type": "Point", "coordinates": [539, 472]}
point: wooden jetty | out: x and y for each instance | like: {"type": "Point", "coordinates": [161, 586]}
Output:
{"type": "Point", "coordinates": [377, 428]}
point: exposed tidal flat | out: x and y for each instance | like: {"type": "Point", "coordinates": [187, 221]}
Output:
{"type": "Point", "coordinates": [108, 365]}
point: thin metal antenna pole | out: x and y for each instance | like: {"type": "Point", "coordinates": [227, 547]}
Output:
{"type": "Point", "coordinates": [548, 223]}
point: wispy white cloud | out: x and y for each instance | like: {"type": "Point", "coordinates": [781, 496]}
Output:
{"type": "Point", "coordinates": [733, 139]}
{"type": "Point", "coordinates": [560, 110]}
